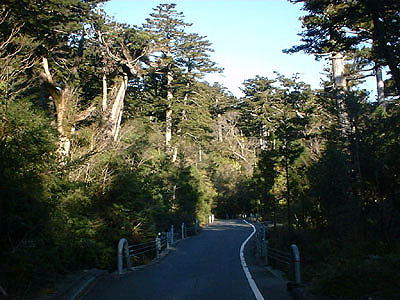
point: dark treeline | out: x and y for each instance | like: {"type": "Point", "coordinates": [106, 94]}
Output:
{"type": "Point", "coordinates": [108, 130]}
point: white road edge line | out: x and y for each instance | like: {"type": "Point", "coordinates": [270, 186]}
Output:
{"type": "Point", "coordinates": [250, 279]}
{"type": "Point", "coordinates": [84, 286]}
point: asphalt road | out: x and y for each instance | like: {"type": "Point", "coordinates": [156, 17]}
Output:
{"type": "Point", "coordinates": [203, 267]}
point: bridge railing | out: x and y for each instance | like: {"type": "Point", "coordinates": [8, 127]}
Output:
{"type": "Point", "coordinates": [290, 258]}
{"type": "Point", "coordinates": [153, 248]}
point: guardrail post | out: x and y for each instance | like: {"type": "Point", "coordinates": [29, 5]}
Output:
{"type": "Point", "coordinates": [196, 226]}
{"type": "Point", "coordinates": [123, 247]}
{"type": "Point", "coordinates": [263, 231]}
{"type": "Point", "coordinates": [158, 246]}
{"type": "Point", "coordinates": [258, 244]}
{"type": "Point", "coordinates": [296, 263]}
{"type": "Point", "coordinates": [266, 252]}
{"type": "Point", "coordinates": [183, 230]}
{"type": "Point", "coordinates": [168, 239]}
{"type": "Point", "coordinates": [172, 234]}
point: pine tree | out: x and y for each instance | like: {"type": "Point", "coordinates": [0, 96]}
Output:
{"type": "Point", "coordinates": [347, 26]}
{"type": "Point", "coordinates": [184, 58]}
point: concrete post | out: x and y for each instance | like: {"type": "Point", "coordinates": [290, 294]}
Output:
{"type": "Point", "coordinates": [262, 244]}
{"type": "Point", "coordinates": [296, 263]}
{"type": "Point", "coordinates": [263, 230]}
{"type": "Point", "coordinates": [258, 244]}
{"type": "Point", "coordinates": [123, 247]}
{"type": "Point", "coordinates": [158, 246]}
{"type": "Point", "coordinates": [196, 226]}
{"type": "Point", "coordinates": [168, 239]}
{"type": "Point", "coordinates": [183, 230]}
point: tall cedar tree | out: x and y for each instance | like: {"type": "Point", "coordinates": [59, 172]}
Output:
{"type": "Point", "coordinates": [184, 58]}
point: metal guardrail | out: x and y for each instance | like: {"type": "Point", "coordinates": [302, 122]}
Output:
{"type": "Point", "coordinates": [163, 240]}
{"type": "Point", "coordinates": [268, 253]}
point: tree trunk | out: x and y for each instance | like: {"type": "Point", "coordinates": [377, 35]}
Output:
{"type": "Point", "coordinates": [60, 99]}
{"type": "Point", "coordinates": [338, 71]}
{"type": "Point", "coordinates": [168, 126]}
{"type": "Point", "coordinates": [112, 121]}
{"type": "Point", "coordinates": [380, 85]}
{"type": "Point", "coordinates": [288, 194]}
{"type": "Point", "coordinates": [104, 101]}
{"type": "Point", "coordinates": [219, 124]}
{"type": "Point", "coordinates": [168, 112]}
{"type": "Point", "coordinates": [219, 121]}
{"type": "Point", "coordinates": [263, 137]}
{"type": "Point", "coordinates": [200, 154]}
{"type": "Point", "coordinates": [118, 125]}
{"type": "Point", "coordinates": [351, 146]}
{"type": "Point", "coordinates": [174, 154]}
{"type": "Point", "coordinates": [339, 78]}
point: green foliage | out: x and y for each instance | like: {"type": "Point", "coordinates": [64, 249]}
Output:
{"type": "Point", "coordinates": [332, 186]}
{"type": "Point", "coordinates": [264, 176]}
{"type": "Point", "coordinates": [277, 112]}
{"type": "Point", "coordinates": [194, 195]}
{"type": "Point", "coordinates": [27, 145]}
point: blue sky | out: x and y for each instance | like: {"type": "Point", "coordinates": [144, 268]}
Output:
{"type": "Point", "coordinates": [248, 36]}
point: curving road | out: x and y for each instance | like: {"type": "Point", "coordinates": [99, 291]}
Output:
{"type": "Point", "coordinates": [203, 267]}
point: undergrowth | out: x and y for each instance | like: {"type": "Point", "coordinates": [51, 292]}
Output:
{"type": "Point", "coordinates": [339, 270]}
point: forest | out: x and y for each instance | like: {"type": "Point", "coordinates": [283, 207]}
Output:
{"type": "Point", "coordinates": [108, 130]}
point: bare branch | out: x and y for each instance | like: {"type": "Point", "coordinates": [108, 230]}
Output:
{"type": "Point", "coordinates": [86, 113]}
{"type": "Point", "coordinates": [240, 156]}
{"type": "Point", "coordinates": [4, 16]}
{"type": "Point", "coordinates": [107, 47]}
{"type": "Point", "coordinates": [12, 35]}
